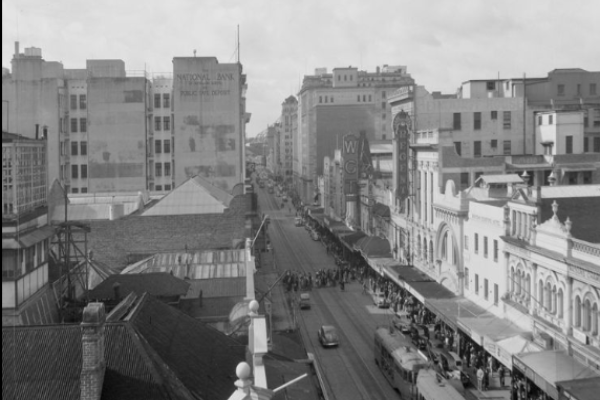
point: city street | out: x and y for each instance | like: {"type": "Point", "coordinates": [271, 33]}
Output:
{"type": "Point", "coordinates": [349, 370]}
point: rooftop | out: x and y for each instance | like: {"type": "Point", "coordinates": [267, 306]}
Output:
{"type": "Point", "coordinates": [158, 284]}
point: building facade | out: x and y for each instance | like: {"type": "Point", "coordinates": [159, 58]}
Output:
{"type": "Point", "coordinates": [289, 122]}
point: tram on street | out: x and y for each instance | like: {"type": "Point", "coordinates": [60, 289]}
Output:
{"type": "Point", "coordinates": [433, 386]}
{"type": "Point", "coordinates": [396, 358]}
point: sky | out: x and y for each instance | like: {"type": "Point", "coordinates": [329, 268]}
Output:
{"type": "Point", "coordinates": [442, 42]}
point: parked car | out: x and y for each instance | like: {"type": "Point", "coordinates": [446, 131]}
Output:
{"type": "Point", "coordinates": [298, 221]}
{"type": "Point", "coordinates": [380, 301]}
{"type": "Point", "coordinates": [328, 336]}
{"type": "Point", "coordinates": [314, 235]}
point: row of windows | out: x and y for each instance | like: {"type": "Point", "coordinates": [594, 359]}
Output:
{"type": "Point", "coordinates": [162, 123]}
{"type": "Point", "coordinates": [486, 289]}
{"type": "Point", "coordinates": [485, 246]}
{"type": "Point", "coordinates": [160, 188]}
{"type": "Point", "coordinates": [596, 145]}
{"type": "Point", "coordinates": [79, 148]}
{"type": "Point", "coordinates": [365, 99]}
{"type": "Point", "coordinates": [79, 171]}
{"type": "Point", "coordinates": [79, 190]}
{"type": "Point", "coordinates": [586, 121]}
{"type": "Point", "coordinates": [166, 100]}
{"type": "Point", "coordinates": [82, 102]}
{"type": "Point", "coordinates": [477, 118]}
{"type": "Point", "coordinates": [506, 147]}
{"type": "Point", "coordinates": [162, 146]}
{"type": "Point", "coordinates": [78, 125]}
{"type": "Point", "coordinates": [158, 169]}
{"type": "Point", "coordinates": [560, 89]}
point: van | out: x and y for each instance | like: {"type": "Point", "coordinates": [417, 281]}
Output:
{"type": "Point", "coordinates": [304, 301]}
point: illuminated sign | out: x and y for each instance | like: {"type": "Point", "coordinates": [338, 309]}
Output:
{"type": "Point", "coordinates": [350, 166]}
{"type": "Point", "coordinates": [401, 128]}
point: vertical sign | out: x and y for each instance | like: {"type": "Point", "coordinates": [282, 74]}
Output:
{"type": "Point", "coordinates": [350, 163]}
{"type": "Point", "coordinates": [401, 127]}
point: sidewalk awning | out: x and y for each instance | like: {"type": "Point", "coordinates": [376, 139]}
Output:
{"type": "Point", "coordinates": [381, 210]}
{"type": "Point", "coordinates": [417, 283]}
{"type": "Point", "coordinates": [350, 238]}
{"type": "Point", "coordinates": [383, 264]}
{"type": "Point", "coordinates": [28, 239]}
{"type": "Point", "coordinates": [448, 310]}
{"type": "Point", "coordinates": [488, 329]}
{"type": "Point", "coordinates": [505, 348]}
{"type": "Point", "coordinates": [318, 217]}
{"type": "Point", "coordinates": [373, 247]}
{"type": "Point", "coordinates": [580, 389]}
{"type": "Point", "coordinates": [545, 368]}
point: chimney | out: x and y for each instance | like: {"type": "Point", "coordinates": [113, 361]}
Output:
{"type": "Point", "coordinates": [117, 291]}
{"type": "Point", "coordinates": [45, 133]}
{"type": "Point", "coordinates": [37, 131]}
{"type": "Point", "coordinates": [16, 50]}
{"type": "Point", "coordinates": [92, 352]}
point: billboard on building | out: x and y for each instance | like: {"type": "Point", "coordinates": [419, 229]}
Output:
{"type": "Point", "coordinates": [207, 121]}
{"type": "Point", "coordinates": [401, 127]}
{"type": "Point", "coordinates": [350, 166]}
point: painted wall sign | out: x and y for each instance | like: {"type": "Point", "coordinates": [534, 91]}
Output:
{"type": "Point", "coordinates": [401, 128]}
{"type": "Point", "coordinates": [350, 166]}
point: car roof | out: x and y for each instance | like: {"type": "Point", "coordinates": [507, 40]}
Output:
{"type": "Point", "coordinates": [328, 328]}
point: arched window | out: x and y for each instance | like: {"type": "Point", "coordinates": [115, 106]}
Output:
{"type": "Point", "coordinates": [528, 287]}
{"type": "Point", "coordinates": [431, 251]}
{"type": "Point", "coordinates": [577, 313]}
{"type": "Point", "coordinates": [554, 299]}
{"type": "Point", "coordinates": [587, 315]}
{"type": "Point", "coordinates": [514, 222]}
{"type": "Point", "coordinates": [519, 282]}
{"type": "Point", "coordinates": [419, 245]}
{"type": "Point", "coordinates": [512, 279]}
{"type": "Point", "coordinates": [541, 293]}
{"type": "Point", "coordinates": [548, 297]}
{"type": "Point", "coordinates": [445, 246]}
{"type": "Point", "coordinates": [454, 253]}
{"type": "Point", "coordinates": [595, 319]}
{"type": "Point", "coordinates": [560, 303]}
{"type": "Point", "coordinates": [425, 249]}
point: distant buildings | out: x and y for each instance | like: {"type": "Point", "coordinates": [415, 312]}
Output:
{"type": "Point", "coordinates": [112, 130]}
{"type": "Point", "coordinates": [289, 122]}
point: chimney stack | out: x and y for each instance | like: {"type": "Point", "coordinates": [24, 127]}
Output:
{"type": "Point", "coordinates": [93, 363]}
{"type": "Point", "coordinates": [37, 131]}
{"type": "Point", "coordinates": [16, 49]}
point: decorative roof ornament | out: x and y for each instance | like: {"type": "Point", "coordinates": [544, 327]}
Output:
{"type": "Point", "coordinates": [554, 209]}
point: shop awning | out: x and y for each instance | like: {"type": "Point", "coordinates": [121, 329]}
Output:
{"type": "Point", "coordinates": [382, 265]}
{"type": "Point", "coordinates": [381, 210]}
{"type": "Point", "coordinates": [29, 239]}
{"type": "Point", "coordinates": [580, 389]}
{"type": "Point", "coordinates": [529, 167]}
{"type": "Point", "coordinates": [429, 290]}
{"type": "Point", "coordinates": [577, 167]}
{"type": "Point", "coordinates": [505, 348]}
{"type": "Point", "coordinates": [373, 247]}
{"type": "Point", "coordinates": [350, 238]}
{"type": "Point", "coordinates": [318, 217]}
{"type": "Point", "coordinates": [448, 310]}
{"type": "Point", "coordinates": [417, 283]}
{"type": "Point", "coordinates": [488, 329]}
{"type": "Point", "coordinates": [546, 368]}
{"type": "Point", "coordinates": [433, 386]}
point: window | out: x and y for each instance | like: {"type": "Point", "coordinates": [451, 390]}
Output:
{"type": "Point", "coordinates": [358, 98]}
{"type": "Point", "coordinates": [74, 122]}
{"type": "Point", "coordinates": [74, 171]}
{"type": "Point", "coordinates": [456, 121]}
{"type": "Point", "coordinates": [82, 101]}
{"type": "Point", "coordinates": [326, 99]}
{"type": "Point", "coordinates": [159, 188]}
{"type": "Point", "coordinates": [158, 169]}
{"type": "Point", "coordinates": [156, 100]}
{"type": "Point", "coordinates": [383, 105]}
{"type": "Point", "coordinates": [477, 121]}
{"type": "Point", "coordinates": [485, 289]}
{"type": "Point", "coordinates": [477, 148]}
{"type": "Point", "coordinates": [494, 115]}
{"type": "Point", "coordinates": [597, 145]}
{"type": "Point", "coordinates": [167, 146]}
{"type": "Point", "coordinates": [83, 190]}
{"type": "Point", "coordinates": [83, 125]}
{"type": "Point", "coordinates": [592, 89]}
{"type": "Point", "coordinates": [73, 102]}
{"type": "Point", "coordinates": [550, 119]}
{"type": "Point", "coordinates": [540, 120]}
{"type": "Point", "coordinates": [466, 242]}
{"type": "Point", "coordinates": [74, 148]}
{"type": "Point", "coordinates": [476, 243]}
{"type": "Point", "coordinates": [167, 188]}
{"type": "Point", "coordinates": [364, 97]}
{"type": "Point", "coordinates": [457, 147]}
{"type": "Point", "coordinates": [506, 123]}
{"type": "Point", "coordinates": [320, 99]}
{"type": "Point", "coordinates": [495, 250]}
{"type": "Point", "coordinates": [569, 144]}
{"type": "Point", "coordinates": [485, 246]}
{"type": "Point", "coordinates": [331, 100]}
{"type": "Point", "coordinates": [477, 175]}
{"type": "Point", "coordinates": [476, 283]}
{"type": "Point", "coordinates": [369, 97]}
{"type": "Point", "coordinates": [491, 85]}
{"type": "Point", "coordinates": [84, 171]}
{"type": "Point", "coordinates": [167, 169]}
{"type": "Point", "coordinates": [383, 94]}
{"type": "Point", "coordinates": [495, 294]}
{"type": "Point", "coordinates": [466, 278]}
{"type": "Point", "coordinates": [74, 190]}
{"type": "Point", "coordinates": [166, 124]}
{"type": "Point", "coordinates": [166, 100]}
{"type": "Point", "coordinates": [383, 116]}
{"type": "Point", "coordinates": [158, 146]}
{"type": "Point", "coordinates": [464, 181]}
{"type": "Point", "coordinates": [157, 123]}
{"type": "Point", "coordinates": [586, 122]}
{"type": "Point", "coordinates": [507, 147]}
{"type": "Point", "coordinates": [494, 144]}
{"type": "Point", "coordinates": [561, 90]}
{"type": "Point", "coordinates": [83, 148]}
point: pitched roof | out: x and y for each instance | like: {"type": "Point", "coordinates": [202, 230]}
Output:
{"type": "Point", "coordinates": [578, 209]}
{"type": "Point", "coordinates": [156, 352]}
{"type": "Point", "coordinates": [195, 196]}
{"type": "Point", "coordinates": [159, 284]}
{"type": "Point", "coordinates": [120, 242]}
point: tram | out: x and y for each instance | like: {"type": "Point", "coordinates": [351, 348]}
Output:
{"type": "Point", "coordinates": [396, 358]}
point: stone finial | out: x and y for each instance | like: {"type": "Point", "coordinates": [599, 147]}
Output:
{"type": "Point", "coordinates": [253, 307]}
{"type": "Point", "coordinates": [568, 224]}
{"type": "Point", "coordinates": [243, 372]}
{"type": "Point", "coordinates": [554, 208]}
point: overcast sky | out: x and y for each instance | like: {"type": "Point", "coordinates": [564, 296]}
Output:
{"type": "Point", "coordinates": [442, 42]}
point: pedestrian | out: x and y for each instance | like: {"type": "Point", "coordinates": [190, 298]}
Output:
{"type": "Point", "coordinates": [364, 291]}
{"type": "Point", "coordinates": [486, 379]}
{"type": "Point", "coordinates": [480, 374]}
{"type": "Point", "coordinates": [501, 375]}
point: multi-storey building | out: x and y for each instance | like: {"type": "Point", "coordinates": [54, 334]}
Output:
{"type": "Point", "coordinates": [333, 105]}
{"type": "Point", "coordinates": [112, 130]}
{"type": "Point", "coordinates": [209, 117]}
{"type": "Point", "coordinates": [26, 298]}
{"type": "Point", "coordinates": [289, 122]}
